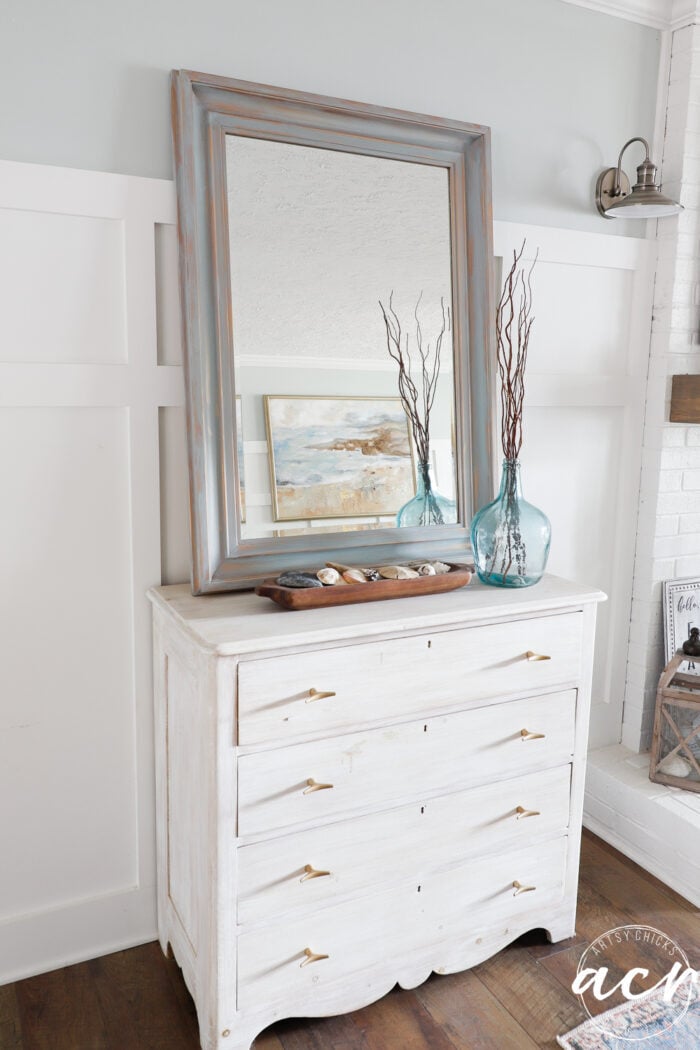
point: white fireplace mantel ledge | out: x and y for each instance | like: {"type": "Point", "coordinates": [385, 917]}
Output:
{"type": "Point", "coordinates": [656, 826]}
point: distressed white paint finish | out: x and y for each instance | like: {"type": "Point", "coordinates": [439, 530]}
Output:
{"type": "Point", "coordinates": [79, 396]}
{"type": "Point", "coordinates": [410, 922]}
{"type": "Point", "coordinates": [231, 627]}
{"type": "Point", "coordinates": [482, 821]}
{"type": "Point", "coordinates": [274, 701]}
{"type": "Point", "coordinates": [244, 824]}
{"type": "Point", "coordinates": [419, 758]}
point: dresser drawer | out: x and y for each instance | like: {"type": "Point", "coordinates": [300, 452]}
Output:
{"type": "Point", "coordinates": [278, 698]}
{"type": "Point", "coordinates": [455, 907]}
{"type": "Point", "coordinates": [320, 780]}
{"type": "Point", "coordinates": [310, 869]}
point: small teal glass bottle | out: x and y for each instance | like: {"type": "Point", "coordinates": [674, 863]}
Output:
{"type": "Point", "coordinates": [427, 507]}
{"type": "Point", "coordinates": [510, 537]}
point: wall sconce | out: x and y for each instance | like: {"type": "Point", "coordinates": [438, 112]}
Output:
{"type": "Point", "coordinates": [615, 199]}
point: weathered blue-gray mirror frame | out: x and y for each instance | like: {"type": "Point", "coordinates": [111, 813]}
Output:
{"type": "Point", "coordinates": [207, 108]}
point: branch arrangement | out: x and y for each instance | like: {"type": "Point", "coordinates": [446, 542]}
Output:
{"type": "Point", "coordinates": [417, 397]}
{"type": "Point", "coordinates": [513, 323]}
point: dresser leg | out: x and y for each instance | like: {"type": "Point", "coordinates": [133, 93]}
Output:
{"type": "Point", "coordinates": [240, 1037]}
{"type": "Point", "coordinates": [561, 928]}
{"type": "Point", "coordinates": [166, 948]}
{"type": "Point", "coordinates": [233, 1042]}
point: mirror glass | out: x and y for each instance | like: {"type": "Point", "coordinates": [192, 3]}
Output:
{"type": "Point", "coordinates": [317, 238]}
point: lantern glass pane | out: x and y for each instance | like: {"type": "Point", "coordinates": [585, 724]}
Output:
{"type": "Point", "coordinates": [687, 727]}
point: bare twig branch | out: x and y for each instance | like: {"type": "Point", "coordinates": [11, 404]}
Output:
{"type": "Point", "coordinates": [513, 326]}
{"type": "Point", "coordinates": [417, 395]}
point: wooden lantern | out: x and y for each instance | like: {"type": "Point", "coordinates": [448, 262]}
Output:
{"type": "Point", "coordinates": [677, 727]}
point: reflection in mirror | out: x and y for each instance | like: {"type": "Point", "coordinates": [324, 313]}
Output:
{"type": "Point", "coordinates": [317, 238]}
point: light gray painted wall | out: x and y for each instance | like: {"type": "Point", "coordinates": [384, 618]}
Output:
{"type": "Point", "coordinates": [562, 87]}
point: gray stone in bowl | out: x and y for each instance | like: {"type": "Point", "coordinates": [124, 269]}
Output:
{"type": "Point", "coordinates": [298, 579]}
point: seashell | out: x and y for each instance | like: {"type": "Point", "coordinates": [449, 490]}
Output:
{"type": "Point", "coordinates": [675, 766]}
{"type": "Point", "coordinates": [426, 570]}
{"type": "Point", "coordinates": [397, 572]}
{"type": "Point", "coordinates": [354, 576]}
{"type": "Point", "coordinates": [329, 576]}
{"type": "Point", "coordinates": [440, 567]}
{"type": "Point", "coordinates": [338, 567]}
{"type": "Point", "coordinates": [298, 579]}
{"type": "Point", "coordinates": [372, 574]}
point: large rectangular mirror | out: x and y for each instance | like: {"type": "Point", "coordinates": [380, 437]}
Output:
{"type": "Point", "coordinates": [298, 216]}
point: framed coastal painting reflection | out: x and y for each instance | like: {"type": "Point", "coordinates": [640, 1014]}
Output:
{"type": "Point", "coordinates": [338, 457]}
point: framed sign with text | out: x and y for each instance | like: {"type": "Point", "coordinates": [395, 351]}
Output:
{"type": "Point", "coordinates": [681, 614]}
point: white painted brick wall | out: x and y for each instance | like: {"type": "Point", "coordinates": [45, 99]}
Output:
{"type": "Point", "coordinates": [668, 537]}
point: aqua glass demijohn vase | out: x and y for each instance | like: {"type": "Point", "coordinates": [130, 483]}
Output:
{"type": "Point", "coordinates": [427, 507]}
{"type": "Point", "coordinates": [510, 537]}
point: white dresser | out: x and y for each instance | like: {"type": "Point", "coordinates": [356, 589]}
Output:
{"type": "Point", "coordinates": [357, 796]}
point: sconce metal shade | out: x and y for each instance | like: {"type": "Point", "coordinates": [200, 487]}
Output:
{"type": "Point", "coordinates": [615, 200]}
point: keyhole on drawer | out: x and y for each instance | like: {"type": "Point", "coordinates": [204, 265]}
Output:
{"type": "Point", "coordinates": [419, 889]}
{"type": "Point", "coordinates": [422, 809]}
{"type": "Point", "coordinates": [430, 644]}
{"type": "Point", "coordinates": [425, 729]}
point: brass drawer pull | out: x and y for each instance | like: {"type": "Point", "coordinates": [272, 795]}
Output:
{"type": "Point", "coordinates": [316, 694]}
{"type": "Point", "coordinates": [522, 812]}
{"type": "Point", "coordinates": [532, 657]}
{"type": "Point", "coordinates": [519, 888]}
{"type": "Point", "coordinates": [312, 785]}
{"type": "Point", "coordinates": [312, 873]}
{"type": "Point", "coordinates": [311, 957]}
{"type": "Point", "coordinates": [527, 735]}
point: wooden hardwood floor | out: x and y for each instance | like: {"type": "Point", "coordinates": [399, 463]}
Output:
{"type": "Point", "coordinates": [519, 1000]}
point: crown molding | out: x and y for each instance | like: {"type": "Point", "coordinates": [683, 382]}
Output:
{"type": "Point", "coordinates": [684, 13]}
{"type": "Point", "coordinates": [659, 14]}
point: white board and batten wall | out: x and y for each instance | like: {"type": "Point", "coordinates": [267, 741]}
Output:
{"type": "Point", "coordinates": [93, 470]}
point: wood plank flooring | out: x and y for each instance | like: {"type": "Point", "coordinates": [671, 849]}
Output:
{"type": "Point", "coordinates": [519, 1000]}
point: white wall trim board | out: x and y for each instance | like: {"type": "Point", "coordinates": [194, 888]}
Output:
{"type": "Point", "coordinates": [662, 89]}
{"type": "Point", "coordinates": [72, 933]}
{"type": "Point", "coordinates": [666, 534]}
{"type": "Point", "coordinates": [57, 923]}
{"type": "Point", "coordinates": [684, 13]}
{"type": "Point", "coordinates": [573, 247]}
{"type": "Point", "coordinates": [624, 394]}
{"type": "Point", "coordinates": [656, 826]}
{"type": "Point", "coordinates": [116, 910]}
{"type": "Point", "coordinates": [659, 14]}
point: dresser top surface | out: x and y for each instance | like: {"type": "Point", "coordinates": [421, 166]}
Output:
{"type": "Point", "coordinates": [242, 622]}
